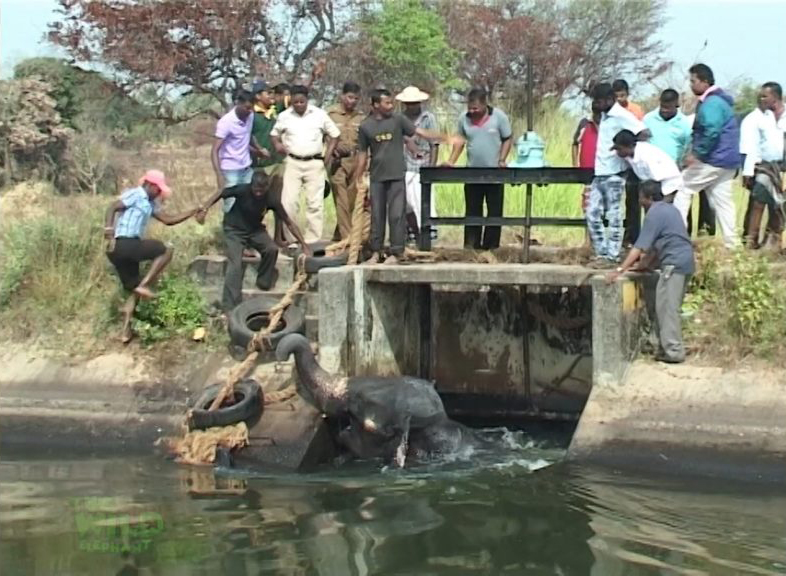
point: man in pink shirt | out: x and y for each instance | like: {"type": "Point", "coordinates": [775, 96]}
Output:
{"type": "Point", "coordinates": [231, 154]}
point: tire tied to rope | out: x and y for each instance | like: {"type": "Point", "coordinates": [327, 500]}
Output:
{"type": "Point", "coordinates": [261, 340]}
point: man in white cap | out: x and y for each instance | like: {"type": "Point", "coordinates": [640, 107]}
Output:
{"type": "Point", "coordinates": [127, 246]}
{"type": "Point", "coordinates": [417, 152]}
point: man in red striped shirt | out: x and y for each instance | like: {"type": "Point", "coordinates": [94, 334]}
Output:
{"type": "Point", "coordinates": [585, 141]}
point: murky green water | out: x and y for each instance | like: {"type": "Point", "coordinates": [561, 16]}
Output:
{"type": "Point", "coordinates": [501, 514]}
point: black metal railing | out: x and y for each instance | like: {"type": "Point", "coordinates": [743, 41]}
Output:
{"type": "Point", "coordinates": [530, 176]}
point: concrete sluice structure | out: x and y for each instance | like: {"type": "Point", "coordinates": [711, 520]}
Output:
{"type": "Point", "coordinates": [503, 342]}
{"type": "Point", "coordinates": [513, 344]}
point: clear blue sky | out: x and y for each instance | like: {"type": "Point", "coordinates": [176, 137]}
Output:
{"type": "Point", "coordinates": [745, 38]}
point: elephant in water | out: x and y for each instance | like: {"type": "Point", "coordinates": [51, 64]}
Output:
{"type": "Point", "coordinates": [393, 418]}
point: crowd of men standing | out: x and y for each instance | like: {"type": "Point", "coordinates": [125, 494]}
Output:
{"type": "Point", "coordinates": [298, 151]}
{"type": "Point", "coordinates": [673, 159]}
{"type": "Point", "coordinates": [688, 155]}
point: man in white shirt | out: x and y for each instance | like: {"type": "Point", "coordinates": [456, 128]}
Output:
{"type": "Point", "coordinates": [762, 144]}
{"type": "Point", "coordinates": [299, 134]}
{"type": "Point", "coordinates": [749, 137]}
{"type": "Point", "coordinates": [649, 162]}
{"type": "Point", "coordinates": [609, 183]}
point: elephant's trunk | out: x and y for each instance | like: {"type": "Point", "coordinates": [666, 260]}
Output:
{"type": "Point", "coordinates": [328, 390]}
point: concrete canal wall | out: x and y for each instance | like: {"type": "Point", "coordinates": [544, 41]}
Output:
{"type": "Point", "coordinates": [689, 418]}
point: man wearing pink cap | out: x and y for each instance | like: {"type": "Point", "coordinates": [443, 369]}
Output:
{"type": "Point", "coordinates": [127, 247]}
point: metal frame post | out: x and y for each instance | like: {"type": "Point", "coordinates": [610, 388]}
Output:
{"type": "Point", "coordinates": [530, 127]}
{"type": "Point", "coordinates": [425, 331]}
{"type": "Point", "coordinates": [424, 241]}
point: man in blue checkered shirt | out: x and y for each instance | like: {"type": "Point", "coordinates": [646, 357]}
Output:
{"type": "Point", "coordinates": [127, 245]}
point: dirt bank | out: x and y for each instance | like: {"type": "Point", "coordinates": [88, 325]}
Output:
{"type": "Point", "coordinates": [120, 400]}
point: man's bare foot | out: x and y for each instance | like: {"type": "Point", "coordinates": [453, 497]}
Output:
{"type": "Point", "coordinates": [126, 334]}
{"type": "Point", "coordinates": [374, 259]}
{"type": "Point", "coordinates": [392, 259]}
{"type": "Point", "coordinates": [144, 292]}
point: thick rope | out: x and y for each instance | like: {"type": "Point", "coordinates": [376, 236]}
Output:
{"type": "Point", "coordinates": [358, 224]}
{"type": "Point", "coordinates": [262, 339]}
{"type": "Point", "coordinates": [355, 239]}
{"type": "Point", "coordinates": [420, 256]}
{"type": "Point", "coordinates": [337, 247]}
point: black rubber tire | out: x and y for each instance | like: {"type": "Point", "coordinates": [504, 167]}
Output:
{"type": "Point", "coordinates": [317, 249]}
{"type": "Point", "coordinates": [247, 406]}
{"type": "Point", "coordinates": [252, 315]}
{"type": "Point", "coordinates": [314, 264]}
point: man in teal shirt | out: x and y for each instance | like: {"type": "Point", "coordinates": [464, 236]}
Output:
{"type": "Point", "coordinates": [669, 128]}
{"type": "Point", "coordinates": [671, 132]}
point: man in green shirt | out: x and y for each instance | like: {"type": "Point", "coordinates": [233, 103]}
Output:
{"type": "Point", "coordinates": [265, 115]}
{"type": "Point", "coordinates": [269, 161]}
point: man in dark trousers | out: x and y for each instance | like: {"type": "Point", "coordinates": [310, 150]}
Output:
{"type": "Point", "coordinates": [663, 236]}
{"type": "Point", "coordinates": [488, 136]}
{"type": "Point", "coordinates": [382, 135]}
{"type": "Point", "coordinates": [243, 228]}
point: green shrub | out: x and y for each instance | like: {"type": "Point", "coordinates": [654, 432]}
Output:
{"type": "Point", "coordinates": [753, 301]}
{"type": "Point", "coordinates": [15, 264]}
{"type": "Point", "coordinates": [178, 310]}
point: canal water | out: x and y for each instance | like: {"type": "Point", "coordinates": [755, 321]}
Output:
{"type": "Point", "coordinates": [517, 511]}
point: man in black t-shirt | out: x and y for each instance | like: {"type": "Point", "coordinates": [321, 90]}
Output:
{"type": "Point", "coordinates": [382, 134]}
{"type": "Point", "coordinates": [243, 228]}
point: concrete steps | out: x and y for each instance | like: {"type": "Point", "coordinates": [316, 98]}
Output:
{"type": "Point", "coordinates": [208, 272]}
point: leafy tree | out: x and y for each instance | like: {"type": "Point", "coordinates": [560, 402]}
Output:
{"type": "Point", "coordinates": [410, 46]}
{"type": "Point", "coordinates": [571, 43]}
{"type": "Point", "coordinates": [614, 39]}
{"type": "Point", "coordinates": [86, 100]}
{"type": "Point", "coordinates": [184, 47]}
{"type": "Point", "coordinates": [32, 134]}
{"type": "Point", "coordinates": [63, 81]}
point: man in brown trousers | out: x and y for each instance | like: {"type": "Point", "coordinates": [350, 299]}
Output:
{"type": "Point", "coordinates": [343, 164]}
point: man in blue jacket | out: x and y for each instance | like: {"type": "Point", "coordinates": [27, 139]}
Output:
{"type": "Point", "coordinates": [715, 156]}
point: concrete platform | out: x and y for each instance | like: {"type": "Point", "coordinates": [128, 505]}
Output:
{"type": "Point", "coordinates": [209, 270]}
{"type": "Point", "coordinates": [292, 436]}
{"type": "Point", "coordinates": [481, 274]}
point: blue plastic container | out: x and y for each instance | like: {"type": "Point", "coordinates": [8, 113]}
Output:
{"type": "Point", "coordinates": [530, 152]}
